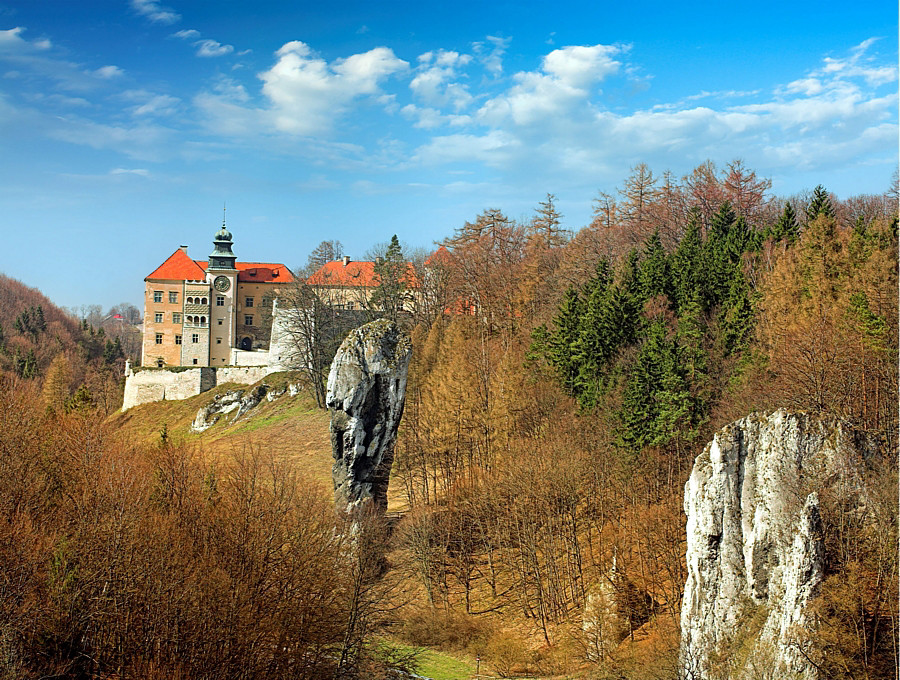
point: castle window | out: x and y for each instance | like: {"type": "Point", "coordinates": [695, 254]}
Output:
{"type": "Point", "coordinates": [195, 361]}
{"type": "Point", "coordinates": [220, 300]}
{"type": "Point", "coordinates": [173, 297]}
{"type": "Point", "coordinates": [248, 319]}
{"type": "Point", "coordinates": [220, 321]}
{"type": "Point", "coordinates": [202, 320]}
{"type": "Point", "coordinates": [218, 341]}
{"type": "Point", "coordinates": [248, 302]}
{"type": "Point", "coordinates": [195, 338]}
{"type": "Point", "coordinates": [203, 301]}
{"type": "Point", "coordinates": [177, 339]}
{"type": "Point", "coordinates": [158, 317]}
{"type": "Point", "coordinates": [157, 296]}
{"type": "Point", "coordinates": [159, 338]}
{"type": "Point", "coordinates": [159, 363]}
{"type": "Point", "coordinates": [190, 300]}
{"type": "Point", "coordinates": [176, 317]}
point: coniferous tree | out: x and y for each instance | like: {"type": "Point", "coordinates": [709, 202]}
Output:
{"type": "Point", "coordinates": [546, 223]}
{"type": "Point", "coordinates": [29, 365]}
{"type": "Point", "coordinates": [40, 324]}
{"type": "Point", "coordinates": [562, 343]}
{"type": "Point", "coordinates": [819, 205]}
{"type": "Point", "coordinates": [687, 270]}
{"type": "Point", "coordinates": [656, 404]}
{"type": "Point", "coordinates": [654, 269]}
{"type": "Point", "coordinates": [391, 270]}
{"type": "Point", "coordinates": [786, 228]}
{"type": "Point", "coordinates": [737, 315]}
{"type": "Point", "coordinates": [717, 253]}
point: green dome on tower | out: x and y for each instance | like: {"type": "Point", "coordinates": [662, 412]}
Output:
{"type": "Point", "coordinates": [221, 257]}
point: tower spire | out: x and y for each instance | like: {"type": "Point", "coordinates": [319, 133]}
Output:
{"type": "Point", "coordinates": [223, 213]}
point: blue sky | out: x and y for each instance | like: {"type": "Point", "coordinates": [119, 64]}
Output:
{"type": "Point", "coordinates": [125, 125]}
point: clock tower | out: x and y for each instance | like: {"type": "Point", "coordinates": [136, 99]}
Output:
{"type": "Point", "coordinates": [221, 274]}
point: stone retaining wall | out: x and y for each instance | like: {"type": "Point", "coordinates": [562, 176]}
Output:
{"type": "Point", "coordinates": [158, 384]}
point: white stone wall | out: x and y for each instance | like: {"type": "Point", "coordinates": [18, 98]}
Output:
{"type": "Point", "coordinates": [144, 386]}
{"type": "Point", "coordinates": [245, 375]}
{"type": "Point", "coordinates": [159, 384]}
{"type": "Point", "coordinates": [240, 357]}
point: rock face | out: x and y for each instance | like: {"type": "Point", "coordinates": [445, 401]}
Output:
{"type": "Point", "coordinates": [223, 404]}
{"type": "Point", "coordinates": [366, 394]}
{"type": "Point", "coordinates": [755, 548]}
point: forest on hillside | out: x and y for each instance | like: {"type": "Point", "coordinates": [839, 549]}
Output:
{"type": "Point", "coordinates": [562, 384]}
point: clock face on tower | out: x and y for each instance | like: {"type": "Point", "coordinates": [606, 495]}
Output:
{"type": "Point", "coordinates": [222, 283]}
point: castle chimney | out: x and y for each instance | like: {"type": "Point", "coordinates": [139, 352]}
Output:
{"type": "Point", "coordinates": [379, 260]}
{"type": "Point", "coordinates": [183, 249]}
{"type": "Point", "coordinates": [346, 260]}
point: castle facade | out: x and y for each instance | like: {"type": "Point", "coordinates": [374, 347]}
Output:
{"type": "Point", "coordinates": [209, 312]}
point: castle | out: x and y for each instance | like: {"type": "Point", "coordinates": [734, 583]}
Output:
{"type": "Point", "coordinates": [209, 313]}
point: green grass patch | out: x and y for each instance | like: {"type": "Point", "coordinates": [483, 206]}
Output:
{"type": "Point", "coordinates": [284, 407]}
{"type": "Point", "coordinates": [438, 665]}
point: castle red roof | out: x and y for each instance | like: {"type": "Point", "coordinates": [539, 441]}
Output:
{"type": "Point", "coordinates": [354, 275]}
{"type": "Point", "coordinates": [179, 267]}
{"type": "Point", "coordinates": [336, 273]}
{"type": "Point", "coordinates": [258, 272]}
{"type": "Point", "coordinates": [441, 256]}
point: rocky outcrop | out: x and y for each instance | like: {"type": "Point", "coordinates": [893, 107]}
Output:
{"type": "Point", "coordinates": [755, 547]}
{"type": "Point", "coordinates": [239, 402]}
{"type": "Point", "coordinates": [366, 394]}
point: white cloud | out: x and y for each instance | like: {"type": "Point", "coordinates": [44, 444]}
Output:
{"type": "Point", "coordinates": [427, 118]}
{"type": "Point", "coordinates": [494, 148]}
{"type": "Point", "coordinates": [157, 105]}
{"type": "Point", "coordinates": [307, 93]}
{"type": "Point", "coordinates": [187, 34]}
{"type": "Point", "coordinates": [206, 47]}
{"type": "Point", "coordinates": [155, 11]}
{"type": "Point", "coordinates": [434, 84]}
{"type": "Point", "coordinates": [108, 72]}
{"type": "Point", "coordinates": [859, 65]}
{"type": "Point", "coordinates": [581, 66]}
{"type": "Point", "coordinates": [140, 172]}
{"type": "Point", "coordinates": [492, 59]}
{"type": "Point", "coordinates": [212, 48]}
{"type": "Point", "coordinates": [11, 41]}
{"type": "Point", "coordinates": [142, 141]}
{"type": "Point", "coordinates": [559, 89]}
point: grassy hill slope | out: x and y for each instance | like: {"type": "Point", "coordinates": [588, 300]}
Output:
{"type": "Point", "coordinates": [291, 427]}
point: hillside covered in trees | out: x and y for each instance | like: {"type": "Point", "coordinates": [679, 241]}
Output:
{"type": "Point", "coordinates": [562, 384]}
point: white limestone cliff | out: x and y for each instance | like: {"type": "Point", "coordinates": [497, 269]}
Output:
{"type": "Point", "coordinates": [366, 395]}
{"type": "Point", "coordinates": [755, 546]}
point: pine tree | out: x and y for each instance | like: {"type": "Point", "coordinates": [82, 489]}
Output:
{"type": "Point", "coordinates": [656, 404]}
{"type": "Point", "coordinates": [29, 366]}
{"type": "Point", "coordinates": [819, 205]}
{"type": "Point", "coordinates": [391, 271]}
{"type": "Point", "coordinates": [654, 278]}
{"type": "Point", "coordinates": [737, 316]}
{"type": "Point", "coordinates": [687, 270]}
{"type": "Point", "coordinates": [786, 228]}
{"type": "Point", "coordinates": [562, 343]}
